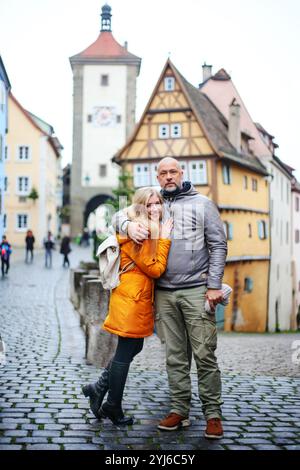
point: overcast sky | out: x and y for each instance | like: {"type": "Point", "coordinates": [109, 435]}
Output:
{"type": "Point", "coordinates": [257, 42]}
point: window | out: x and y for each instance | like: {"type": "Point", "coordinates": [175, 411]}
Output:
{"type": "Point", "coordinates": [185, 170]}
{"type": "Point", "coordinates": [228, 229]}
{"type": "Point", "coordinates": [299, 287]}
{"type": "Point", "coordinates": [287, 233]}
{"type": "Point", "coordinates": [0, 201]}
{"type": "Point", "coordinates": [22, 222]}
{"type": "Point", "coordinates": [278, 272]}
{"type": "Point", "coordinates": [141, 176]}
{"type": "Point", "coordinates": [297, 236]}
{"type": "Point", "coordinates": [198, 172]}
{"type": "Point", "coordinates": [89, 118]}
{"type": "Point", "coordinates": [226, 170]}
{"type": "Point", "coordinates": [23, 185]}
{"type": "Point", "coordinates": [2, 96]}
{"type": "Point", "coordinates": [287, 192]}
{"type": "Point", "coordinates": [104, 80]}
{"type": "Point", "coordinates": [254, 184]}
{"type": "Point", "coordinates": [6, 153]}
{"type": "Point", "coordinates": [23, 153]}
{"type": "Point", "coordinates": [249, 230]}
{"type": "Point", "coordinates": [245, 179]}
{"type": "Point", "coordinates": [262, 230]}
{"type": "Point", "coordinates": [176, 131]}
{"type": "Point", "coordinates": [169, 83]}
{"type": "Point", "coordinates": [119, 118]}
{"type": "Point", "coordinates": [5, 221]}
{"type": "Point", "coordinates": [297, 204]}
{"type": "Point", "coordinates": [164, 131]}
{"type": "Point", "coordinates": [154, 181]}
{"type": "Point", "coordinates": [102, 171]}
{"type": "Point", "coordinates": [248, 284]}
{"type": "Point", "coordinates": [1, 148]}
{"type": "Point", "coordinates": [5, 183]}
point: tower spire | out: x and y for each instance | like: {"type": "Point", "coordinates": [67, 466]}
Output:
{"type": "Point", "coordinates": [106, 18]}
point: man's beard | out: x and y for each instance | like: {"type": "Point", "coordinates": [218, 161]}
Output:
{"type": "Point", "coordinates": [171, 192]}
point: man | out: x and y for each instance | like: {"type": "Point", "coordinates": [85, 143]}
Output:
{"type": "Point", "coordinates": [194, 274]}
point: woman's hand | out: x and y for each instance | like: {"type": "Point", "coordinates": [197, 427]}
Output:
{"type": "Point", "coordinates": [166, 229]}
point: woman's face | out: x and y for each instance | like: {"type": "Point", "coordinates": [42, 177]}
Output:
{"type": "Point", "coordinates": [154, 208]}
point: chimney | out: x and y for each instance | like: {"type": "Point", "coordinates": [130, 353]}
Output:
{"type": "Point", "coordinates": [126, 45]}
{"type": "Point", "coordinates": [206, 72]}
{"type": "Point", "coordinates": [234, 125]}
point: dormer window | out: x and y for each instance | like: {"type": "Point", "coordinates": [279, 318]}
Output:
{"type": "Point", "coordinates": [176, 131]}
{"type": "Point", "coordinates": [169, 83]}
{"type": "Point", "coordinates": [164, 131]}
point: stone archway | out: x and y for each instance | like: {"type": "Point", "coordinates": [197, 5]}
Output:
{"type": "Point", "coordinates": [93, 204]}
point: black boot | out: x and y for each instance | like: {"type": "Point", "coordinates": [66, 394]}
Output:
{"type": "Point", "coordinates": [97, 391]}
{"type": "Point", "coordinates": [112, 408]}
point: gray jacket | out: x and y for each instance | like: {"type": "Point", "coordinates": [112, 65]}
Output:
{"type": "Point", "coordinates": [199, 248]}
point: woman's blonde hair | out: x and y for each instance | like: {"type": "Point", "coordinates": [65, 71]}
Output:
{"type": "Point", "coordinates": [137, 212]}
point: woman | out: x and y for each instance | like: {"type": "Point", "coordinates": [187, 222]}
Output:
{"type": "Point", "coordinates": [65, 249]}
{"type": "Point", "coordinates": [130, 314]}
{"type": "Point", "coordinates": [29, 240]}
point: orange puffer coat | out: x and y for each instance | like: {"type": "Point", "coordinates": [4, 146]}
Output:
{"type": "Point", "coordinates": [131, 303]}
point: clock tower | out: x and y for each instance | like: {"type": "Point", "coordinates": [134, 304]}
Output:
{"type": "Point", "coordinates": [104, 101]}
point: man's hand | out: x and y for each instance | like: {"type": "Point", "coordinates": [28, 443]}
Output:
{"type": "Point", "coordinates": [137, 232]}
{"type": "Point", "coordinates": [214, 297]}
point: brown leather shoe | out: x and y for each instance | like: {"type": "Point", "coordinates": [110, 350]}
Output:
{"type": "Point", "coordinates": [173, 421]}
{"type": "Point", "coordinates": [214, 429]}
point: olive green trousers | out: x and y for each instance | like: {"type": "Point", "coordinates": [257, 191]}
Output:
{"type": "Point", "coordinates": [187, 327]}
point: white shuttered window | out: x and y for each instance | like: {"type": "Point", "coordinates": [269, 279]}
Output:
{"type": "Point", "coordinates": [198, 172]}
{"type": "Point", "coordinates": [141, 175]}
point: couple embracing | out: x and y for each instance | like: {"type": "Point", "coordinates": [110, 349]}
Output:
{"type": "Point", "coordinates": [174, 244]}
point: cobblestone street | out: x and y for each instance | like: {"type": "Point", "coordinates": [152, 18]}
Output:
{"type": "Point", "coordinates": [42, 407]}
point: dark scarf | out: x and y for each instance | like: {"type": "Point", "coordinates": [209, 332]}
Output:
{"type": "Point", "coordinates": [186, 186]}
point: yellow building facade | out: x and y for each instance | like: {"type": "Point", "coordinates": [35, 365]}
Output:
{"type": "Point", "coordinates": [32, 168]}
{"type": "Point", "coordinates": [181, 122]}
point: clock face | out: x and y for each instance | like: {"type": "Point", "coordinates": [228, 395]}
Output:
{"type": "Point", "coordinates": [104, 116]}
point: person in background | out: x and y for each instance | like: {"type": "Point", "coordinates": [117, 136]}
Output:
{"type": "Point", "coordinates": [5, 250]}
{"type": "Point", "coordinates": [65, 249]}
{"type": "Point", "coordinates": [85, 239]}
{"type": "Point", "coordinates": [49, 246]}
{"type": "Point", "coordinates": [29, 240]}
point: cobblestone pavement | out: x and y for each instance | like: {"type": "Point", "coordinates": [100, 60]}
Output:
{"type": "Point", "coordinates": [41, 405]}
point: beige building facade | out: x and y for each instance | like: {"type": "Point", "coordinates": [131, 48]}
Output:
{"type": "Point", "coordinates": [33, 185]}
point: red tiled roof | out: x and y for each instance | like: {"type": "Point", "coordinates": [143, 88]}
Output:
{"type": "Point", "coordinates": [105, 46]}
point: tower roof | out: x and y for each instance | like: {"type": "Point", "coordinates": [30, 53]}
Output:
{"type": "Point", "coordinates": [105, 49]}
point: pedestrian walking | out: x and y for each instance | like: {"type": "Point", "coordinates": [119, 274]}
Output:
{"type": "Point", "coordinates": [85, 239]}
{"type": "Point", "coordinates": [130, 315]}
{"type": "Point", "coordinates": [65, 249]}
{"type": "Point", "coordinates": [29, 240]}
{"type": "Point", "coordinates": [49, 246]}
{"type": "Point", "coordinates": [5, 250]}
{"type": "Point", "coordinates": [193, 275]}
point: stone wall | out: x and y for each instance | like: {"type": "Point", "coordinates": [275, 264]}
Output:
{"type": "Point", "coordinates": [91, 302]}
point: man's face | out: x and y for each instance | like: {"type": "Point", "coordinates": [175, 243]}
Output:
{"type": "Point", "coordinates": [169, 176]}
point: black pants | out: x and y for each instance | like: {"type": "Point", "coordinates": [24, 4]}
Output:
{"type": "Point", "coordinates": [4, 263]}
{"type": "Point", "coordinates": [66, 260]}
{"type": "Point", "coordinates": [29, 250]}
{"type": "Point", "coordinates": [127, 349]}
